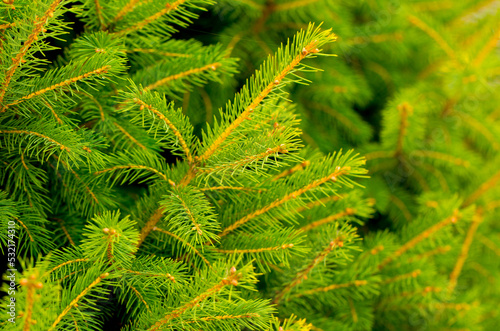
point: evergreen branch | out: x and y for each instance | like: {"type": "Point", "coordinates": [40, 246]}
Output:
{"type": "Point", "coordinates": [246, 160]}
{"type": "Point", "coordinates": [320, 202]}
{"type": "Point", "coordinates": [60, 221]}
{"type": "Point", "coordinates": [39, 24]}
{"type": "Point", "coordinates": [223, 317]}
{"type": "Point", "coordinates": [26, 228]}
{"type": "Point", "coordinates": [332, 177]}
{"type": "Point", "coordinates": [126, 9]}
{"type": "Point", "coordinates": [338, 242]}
{"type": "Point", "coordinates": [98, 9]}
{"type": "Point", "coordinates": [479, 5]}
{"type": "Point", "coordinates": [292, 170]}
{"type": "Point", "coordinates": [489, 184]}
{"type": "Point", "coordinates": [476, 221]}
{"type": "Point", "coordinates": [434, 35]}
{"type": "Point", "coordinates": [401, 206]}
{"type": "Point", "coordinates": [169, 7]}
{"type": "Point", "coordinates": [251, 3]}
{"type": "Point", "coordinates": [423, 235]}
{"type": "Point", "coordinates": [480, 128]}
{"type": "Point", "coordinates": [412, 274]}
{"type": "Point", "coordinates": [129, 136]}
{"type": "Point", "coordinates": [150, 225]}
{"type": "Point", "coordinates": [239, 188]}
{"type": "Point", "coordinates": [53, 112]}
{"type": "Point", "coordinates": [97, 103]}
{"type": "Point", "coordinates": [489, 243]}
{"type": "Point", "coordinates": [196, 225]}
{"type": "Point", "coordinates": [309, 48]}
{"type": "Point", "coordinates": [423, 292]}
{"type": "Point", "coordinates": [487, 49]}
{"type": "Point", "coordinates": [7, 25]}
{"type": "Point", "coordinates": [141, 298]}
{"type": "Point", "coordinates": [166, 80]}
{"type": "Point", "coordinates": [134, 166]}
{"type": "Point", "coordinates": [231, 279]}
{"type": "Point", "coordinates": [74, 302]}
{"type": "Point", "coordinates": [184, 242]}
{"type": "Point", "coordinates": [432, 252]}
{"type": "Point", "coordinates": [162, 117]}
{"type": "Point", "coordinates": [347, 212]}
{"type": "Point", "coordinates": [149, 274]}
{"type": "Point", "coordinates": [66, 82]}
{"type": "Point", "coordinates": [87, 188]}
{"type": "Point", "coordinates": [292, 5]}
{"type": "Point", "coordinates": [32, 133]}
{"type": "Point", "coordinates": [441, 156]}
{"type": "Point", "coordinates": [331, 288]}
{"type": "Point", "coordinates": [379, 155]}
{"type": "Point", "coordinates": [405, 110]}
{"type": "Point", "coordinates": [256, 250]}
{"type": "Point", "coordinates": [63, 264]}
{"type": "Point", "coordinates": [152, 50]}
{"type": "Point", "coordinates": [377, 38]}
{"type": "Point", "coordinates": [30, 298]}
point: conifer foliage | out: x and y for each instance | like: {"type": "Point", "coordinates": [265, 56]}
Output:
{"type": "Point", "coordinates": [132, 206]}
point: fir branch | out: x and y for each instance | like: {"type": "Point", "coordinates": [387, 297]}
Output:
{"type": "Point", "coordinates": [58, 119]}
{"type": "Point", "coordinates": [26, 228]}
{"type": "Point", "coordinates": [33, 37]}
{"type": "Point", "coordinates": [133, 166]}
{"type": "Point", "coordinates": [469, 237]}
{"type": "Point", "coordinates": [64, 264]}
{"type": "Point", "coordinates": [238, 188]}
{"type": "Point", "coordinates": [166, 80]}
{"type": "Point", "coordinates": [169, 7]}
{"type": "Point", "coordinates": [333, 176]}
{"type": "Point", "coordinates": [421, 236]}
{"type": "Point", "coordinates": [405, 110]}
{"type": "Point", "coordinates": [489, 243]}
{"type": "Point", "coordinates": [66, 233]}
{"type": "Point", "coordinates": [338, 242]}
{"type": "Point", "coordinates": [292, 170]}
{"type": "Point", "coordinates": [129, 136]}
{"type": "Point", "coordinates": [7, 25]}
{"type": "Point", "coordinates": [75, 301]}
{"type": "Point", "coordinates": [98, 9]}
{"type": "Point", "coordinates": [346, 212]}
{"type": "Point", "coordinates": [126, 9]}
{"type": "Point", "coordinates": [231, 279]}
{"type": "Point", "coordinates": [247, 160]}
{"type": "Point", "coordinates": [168, 123]}
{"type": "Point", "coordinates": [156, 51]}
{"type": "Point", "coordinates": [401, 206]}
{"type": "Point", "coordinates": [250, 105]}
{"type": "Point", "coordinates": [141, 298]}
{"type": "Point", "coordinates": [332, 287]}
{"type": "Point", "coordinates": [223, 317]}
{"type": "Point", "coordinates": [292, 5]}
{"type": "Point", "coordinates": [434, 35]}
{"type": "Point", "coordinates": [428, 254]}
{"type": "Point", "coordinates": [487, 49]}
{"type": "Point", "coordinates": [32, 286]}
{"type": "Point", "coordinates": [488, 185]}
{"type": "Point", "coordinates": [255, 250]}
{"type": "Point", "coordinates": [411, 274]}
{"type": "Point", "coordinates": [184, 242]}
{"type": "Point", "coordinates": [441, 156]}
{"type": "Point", "coordinates": [37, 134]}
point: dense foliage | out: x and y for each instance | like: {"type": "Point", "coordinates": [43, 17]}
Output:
{"type": "Point", "coordinates": [356, 192]}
